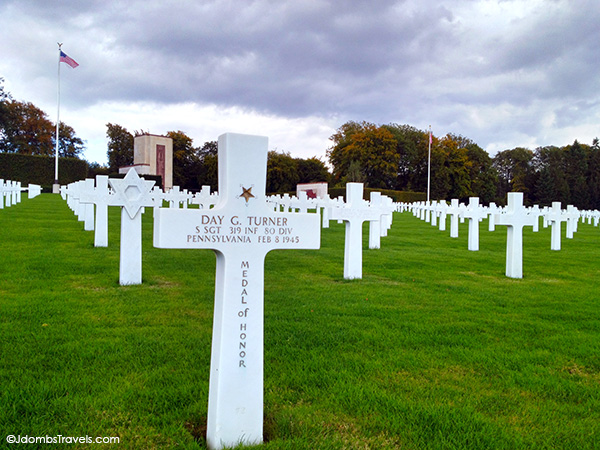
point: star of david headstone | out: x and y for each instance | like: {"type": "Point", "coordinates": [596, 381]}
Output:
{"type": "Point", "coordinates": [132, 193]}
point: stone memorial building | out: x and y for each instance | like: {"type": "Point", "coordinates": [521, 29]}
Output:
{"type": "Point", "coordinates": [313, 190]}
{"type": "Point", "coordinates": [153, 155]}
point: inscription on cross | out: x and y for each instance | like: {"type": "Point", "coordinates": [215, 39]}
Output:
{"type": "Point", "coordinates": [242, 228]}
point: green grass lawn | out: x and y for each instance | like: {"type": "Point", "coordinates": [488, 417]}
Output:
{"type": "Point", "coordinates": [433, 349]}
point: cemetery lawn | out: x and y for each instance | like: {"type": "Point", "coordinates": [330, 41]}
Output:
{"type": "Point", "coordinates": [433, 349]}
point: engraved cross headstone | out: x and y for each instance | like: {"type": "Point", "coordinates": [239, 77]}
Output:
{"type": "Point", "coordinates": [454, 211]}
{"type": "Point", "coordinates": [99, 196]}
{"type": "Point", "coordinates": [474, 213]}
{"type": "Point", "coordinates": [555, 217]}
{"type": "Point", "coordinates": [354, 214]}
{"type": "Point", "coordinates": [515, 218]}
{"type": "Point", "coordinates": [242, 228]}
{"type": "Point", "coordinates": [572, 216]}
{"type": "Point", "coordinates": [8, 193]}
{"type": "Point", "coordinates": [87, 185]}
{"type": "Point", "coordinates": [375, 225]}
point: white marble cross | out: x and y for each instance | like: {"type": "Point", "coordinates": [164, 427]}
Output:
{"type": "Point", "coordinates": [515, 217]}
{"type": "Point", "coordinates": [442, 210]}
{"type": "Point", "coordinates": [132, 193]}
{"type": "Point", "coordinates": [16, 192]}
{"type": "Point", "coordinates": [555, 217]}
{"type": "Point", "coordinates": [354, 214]}
{"type": "Point", "coordinates": [474, 213]}
{"type": "Point", "coordinates": [454, 211]}
{"type": "Point", "coordinates": [33, 190]}
{"type": "Point", "coordinates": [7, 193]}
{"type": "Point", "coordinates": [492, 211]}
{"type": "Point", "coordinates": [86, 186]}
{"type": "Point", "coordinates": [242, 228]}
{"type": "Point", "coordinates": [572, 216]}
{"type": "Point", "coordinates": [2, 193]}
{"type": "Point", "coordinates": [204, 198]}
{"type": "Point", "coordinates": [100, 197]}
{"type": "Point", "coordinates": [375, 225]}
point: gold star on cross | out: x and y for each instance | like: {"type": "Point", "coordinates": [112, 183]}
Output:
{"type": "Point", "coordinates": [247, 193]}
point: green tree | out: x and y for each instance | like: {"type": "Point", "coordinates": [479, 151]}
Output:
{"type": "Point", "coordinates": [594, 174]}
{"type": "Point", "coordinates": [372, 147]}
{"type": "Point", "coordinates": [355, 173]}
{"type": "Point", "coordinates": [312, 170]}
{"type": "Point", "coordinates": [550, 184]}
{"type": "Point", "coordinates": [412, 148]}
{"type": "Point", "coordinates": [576, 170]}
{"type": "Point", "coordinates": [454, 168]}
{"type": "Point", "coordinates": [282, 172]}
{"type": "Point", "coordinates": [120, 146]}
{"type": "Point", "coordinates": [515, 172]}
{"type": "Point", "coordinates": [484, 177]}
{"type": "Point", "coordinates": [26, 129]}
{"type": "Point", "coordinates": [185, 161]}
{"type": "Point", "coordinates": [208, 162]}
{"type": "Point", "coordinates": [69, 145]}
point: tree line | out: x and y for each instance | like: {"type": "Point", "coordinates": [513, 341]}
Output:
{"type": "Point", "coordinates": [396, 157]}
{"type": "Point", "coordinates": [388, 156]}
{"type": "Point", "coordinates": [194, 167]}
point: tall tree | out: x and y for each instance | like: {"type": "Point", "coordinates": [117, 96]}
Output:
{"type": "Point", "coordinates": [69, 145]}
{"type": "Point", "coordinates": [185, 160]}
{"type": "Point", "coordinates": [455, 168]}
{"type": "Point", "coordinates": [515, 172]}
{"type": "Point", "coordinates": [372, 147]}
{"type": "Point", "coordinates": [208, 162]}
{"type": "Point", "coordinates": [282, 172]}
{"type": "Point", "coordinates": [26, 129]}
{"type": "Point", "coordinates": [412, 147]}
{"type": "Point", "coordinates": [576, 169]}
{"type": "Point", "coordinates": [312, 170]}
{"type": "Point", "coordinates": [484, 177]}
{"type": "Point", "coordinates": [594, 174]}
{"type": "Point", "coordinates": [550, 184]}
{"type": "Point", "coordinates": [120, 146]}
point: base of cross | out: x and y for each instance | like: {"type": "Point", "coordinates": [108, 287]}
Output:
{"type": "Point", "coordinates": [56, 188]}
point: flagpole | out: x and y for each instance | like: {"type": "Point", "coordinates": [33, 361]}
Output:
{"type": "Point", "coordinates": [56, 186]}
{"type": "Point", "coordinates": [429, 166]}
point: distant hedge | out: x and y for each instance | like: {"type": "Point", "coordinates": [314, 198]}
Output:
{"type": "Point", "coordinates": [40, 169]}
{"type": "Point", "coordinates": [397, 196]}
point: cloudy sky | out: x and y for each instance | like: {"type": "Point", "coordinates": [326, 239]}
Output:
{"type": "Point", "coordinates": [504, 73]}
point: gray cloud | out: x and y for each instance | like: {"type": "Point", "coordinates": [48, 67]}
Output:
{"type": "Point", "coordinates": [408, 61]}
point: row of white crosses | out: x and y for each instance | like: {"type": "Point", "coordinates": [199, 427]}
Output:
{"type": "Point", "coordinates": [515, 216]}
{"type": "Point", "coordinates": [89, 200]}
{"type": "Point", "coordinates": [10, 192]}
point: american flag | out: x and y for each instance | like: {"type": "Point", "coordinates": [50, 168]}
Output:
{"type": "Point", "coordinates": [67, 59]}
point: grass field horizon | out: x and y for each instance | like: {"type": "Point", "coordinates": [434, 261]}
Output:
{"type": "Point", "coordinates": [433, 349]}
